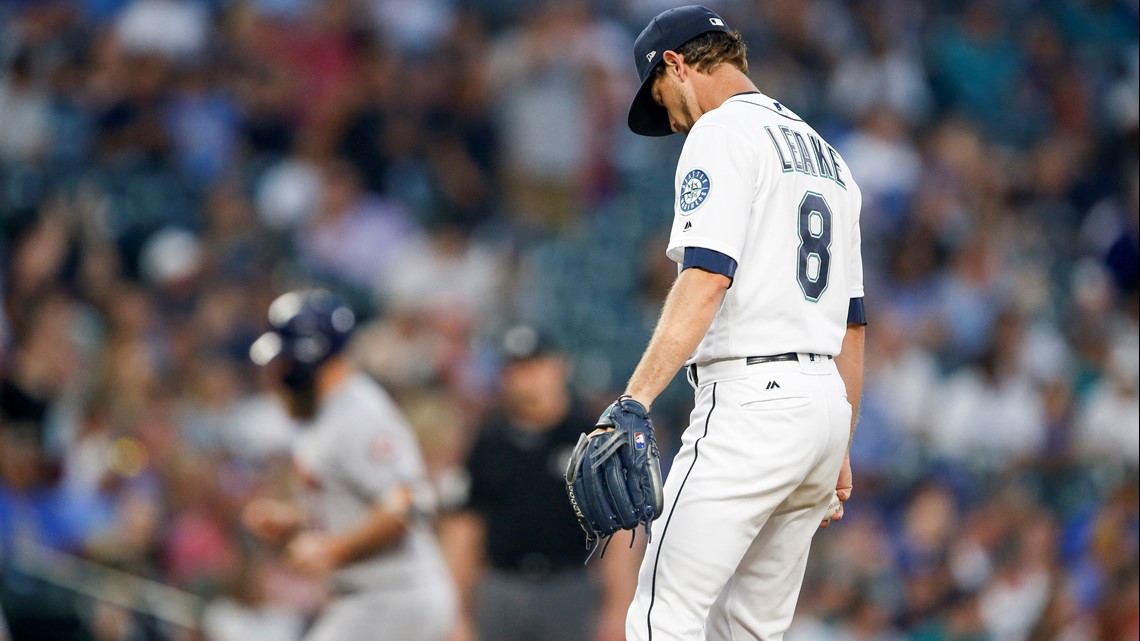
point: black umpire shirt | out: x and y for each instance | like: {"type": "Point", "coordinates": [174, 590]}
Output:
{"type": "Point", "coordinates": [517, 486]}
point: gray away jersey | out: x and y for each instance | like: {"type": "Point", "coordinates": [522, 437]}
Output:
{"type": "Point", "coordinates": [354, 454]}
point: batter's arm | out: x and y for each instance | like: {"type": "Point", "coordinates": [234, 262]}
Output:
{"type": "Point", "coordinates": [272, 520]}
{"type": "Point", "coordinates": [688, 313]}
{"type": "Point", "coordinates": [384, 524]}
{"type": "Point", "coordinates": [319, 552]}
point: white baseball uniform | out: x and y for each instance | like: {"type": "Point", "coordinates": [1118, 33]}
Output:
{"type": "Point", "coordinates": [357, 450]}
{"type": "Point", "coordinates": [762, 198]}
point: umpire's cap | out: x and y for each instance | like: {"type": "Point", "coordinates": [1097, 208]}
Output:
{"type": "Point", "coordinates": [307, 326]}
{"type": "Point", "coordinates": [668, 31]}
{"type": "Point", "coordinates": [523, 342]}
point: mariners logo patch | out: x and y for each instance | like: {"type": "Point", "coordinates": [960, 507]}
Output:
{"type": "Point", "coordinates": [694, 190]}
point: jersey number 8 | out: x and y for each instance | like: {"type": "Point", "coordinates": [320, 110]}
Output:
{"type": "Point", "coordinates": [815, 246]}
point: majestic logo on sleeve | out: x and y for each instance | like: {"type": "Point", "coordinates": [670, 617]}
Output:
{"type": "Point", "coordinates": [694, 190]}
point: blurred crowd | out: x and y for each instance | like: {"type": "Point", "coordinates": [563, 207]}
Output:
{"type": "Point", "coordinates": [167, 167]}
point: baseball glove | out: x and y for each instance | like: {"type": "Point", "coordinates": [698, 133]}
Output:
{"type": "Point", "coordinates": [614, 478]}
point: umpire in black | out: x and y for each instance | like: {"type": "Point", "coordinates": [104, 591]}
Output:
{"type": "Point", "coordinates": [516, 550]}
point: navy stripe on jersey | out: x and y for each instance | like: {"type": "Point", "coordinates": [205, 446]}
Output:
{"type": "Point", "coordinates": [856, 313]}
{"type": "Point", "coordinates": [664, 530]}
{"type": "Point", "coordinates": [709, 260]}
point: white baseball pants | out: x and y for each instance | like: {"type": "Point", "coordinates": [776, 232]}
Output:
{"type": "Point", "coordinates": [745, 494]}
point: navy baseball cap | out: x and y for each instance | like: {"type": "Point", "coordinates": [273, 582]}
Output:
{"type": "Point", "coordinates": [668, 31]}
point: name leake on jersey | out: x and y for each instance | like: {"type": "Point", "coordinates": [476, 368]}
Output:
{"type": "Point", "coordinates": [826, 159]}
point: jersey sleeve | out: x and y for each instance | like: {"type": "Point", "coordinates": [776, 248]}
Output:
{"type": "Point", "coordinates": [385, 454]}
{"type": "Point", "coordinates": [716, 184]}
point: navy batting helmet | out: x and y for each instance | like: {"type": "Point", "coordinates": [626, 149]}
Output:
{"type": "Point", "coordinates": [307, 327]}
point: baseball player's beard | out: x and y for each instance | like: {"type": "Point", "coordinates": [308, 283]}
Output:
{"type": "Point", "coordinates": [300, 391]}
{"type": "Point", "coordinates": [687, 112]}
{"type": "Point", "coordinates": [301, 402]}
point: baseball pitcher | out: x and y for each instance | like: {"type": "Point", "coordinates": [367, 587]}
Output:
{"type": "Point", "coordinates": [766, 314]}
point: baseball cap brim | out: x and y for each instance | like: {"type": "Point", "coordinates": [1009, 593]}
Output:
{"type": "Point", "coordinates": [266, 348]}
{"type": "Point", "coordinates": [668, 31]}
{"type": "Point", "coordinates": [646, 117]}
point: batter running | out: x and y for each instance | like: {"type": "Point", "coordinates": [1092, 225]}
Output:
{"type": "Point", "coordinates": [767, 314]}
{"type": "Point", "coordinates": [359, 463]}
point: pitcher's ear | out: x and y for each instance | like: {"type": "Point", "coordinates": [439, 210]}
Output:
{"type": "Point", "coordinates": [674, 62]}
